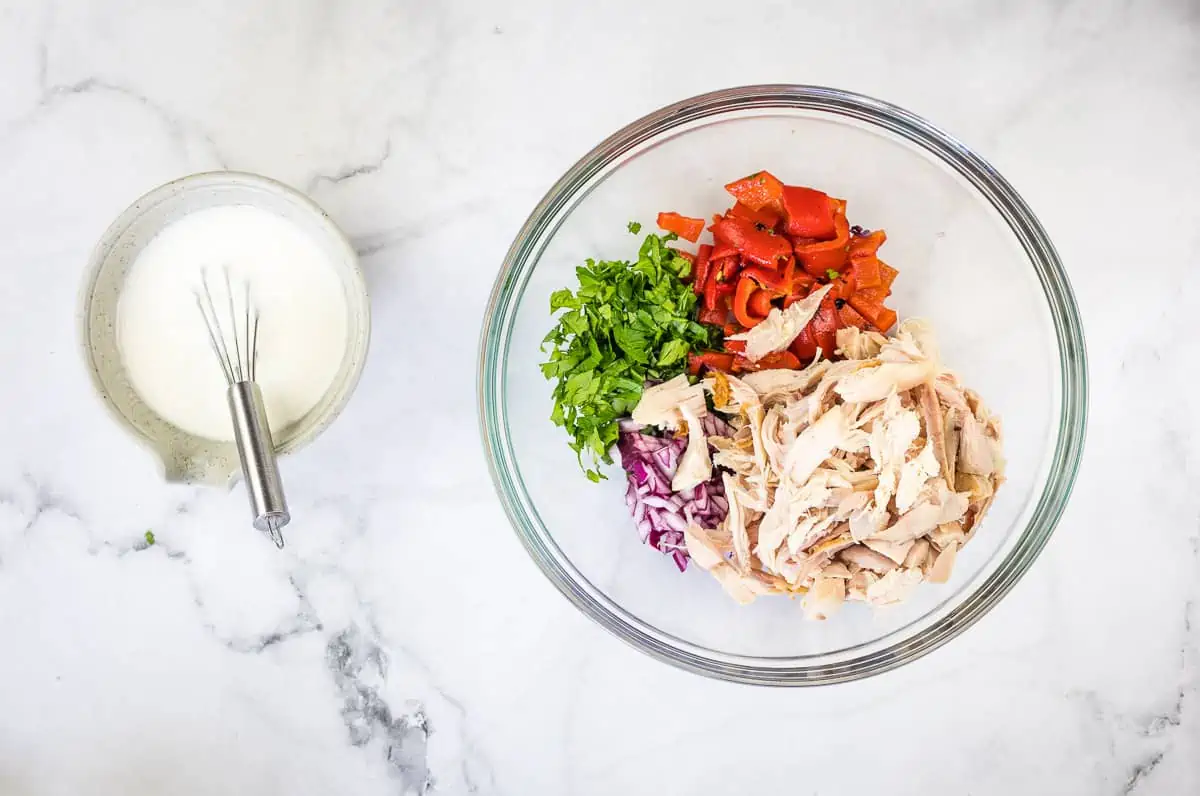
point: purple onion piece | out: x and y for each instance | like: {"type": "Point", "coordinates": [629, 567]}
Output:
{"type": "Point", "coordinates": [660, 514]}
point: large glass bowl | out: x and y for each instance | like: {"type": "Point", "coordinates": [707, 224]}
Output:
{"type": "Point", "coordinates": [973, 259]}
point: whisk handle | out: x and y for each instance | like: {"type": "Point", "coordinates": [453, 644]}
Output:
{"type": "Point", "coordinates": [257, 452]}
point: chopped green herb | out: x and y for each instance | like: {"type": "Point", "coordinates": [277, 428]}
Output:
{"type": "Point", "coordinates": [832, 274]}
{"type": "Point", "coordinates": [626, 324]}
{"type": "Point", "coordinates": [634, 227]}
{"type": "Point", "coordinates": [149, 537]}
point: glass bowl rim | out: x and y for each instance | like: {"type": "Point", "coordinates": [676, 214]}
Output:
{"type": "Point", "coordinates": [565, 194]}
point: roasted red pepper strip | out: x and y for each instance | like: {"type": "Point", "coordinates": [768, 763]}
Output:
{"type": "Point", "coordinates": [766, 217]}
{"type": "Point", "coordinates": [802, 285]}
{"type": "Point", "coordinates": [723, 250]}
{"type": "Point", "coordinates": [887, 275]}
{"type": "Point", "coordinates": [877, 295]}
{"type": "Point", "coordinates": [700, 268]}
{"type": "Point", "coordinates": [820, 258]}
{"type": "Point", "coordinates": [885, 320]}
{"type": "Point", "coordinates": [757, 191]}
{"type": "Point", "coordinates": [844, 286]}
{"type": "Point", "coordinates": [881, 317]}
{"type": "Point", "coordinates": [768, 279]}
{"type": "Point", "coordinates": [714, 360]}
{"type": "Point", "coordinates": [865, 270]}
{"type": "Point", "coordinates": [809, 213]}
{"type": "Point", "coordinates": [754, 244]}
{"type": "Point", "coordinates": [732, 231]}
{"type": "Point", "coordinates": [767, 249]}
{"type": "Point", "coordinates": [848, 316]}
{"type": "Point", "coordinates": [789, 274]}
{"type": "Point", "coordinates": [867, 245]}
{"type": "Point", "coordinates": [683, 226]}
{"type": "Point", "coordinates": [717, 295]}
{"type": "Point", "coordinates": [825, 325]}
{"type": "Point", "coordinates": [779, 359]}
{"type": "Point", "coordinates": [736, 346]}
{"type": "Point", "coordinates": [713, 317]}
{"type": "Point", "coordinates": [720, 284]}
{"type": "Point", "coordinates": [805, 345]}
{"type": "Point", "coordinates": [871, 296]}
{"type": "Point", "coordinates": [741, 303]}
{"type": "Point", "coordinates": [760, 303]}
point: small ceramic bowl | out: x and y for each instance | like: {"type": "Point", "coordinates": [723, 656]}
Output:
{"type": "Point", "coordinates": [186, 457]}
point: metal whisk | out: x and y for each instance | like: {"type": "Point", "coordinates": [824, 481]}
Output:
{"type": "Point", "coordinates": [236, 347]}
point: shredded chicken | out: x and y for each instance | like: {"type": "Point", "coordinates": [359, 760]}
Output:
{"type": "Point", "coordinates": [849, 480]}
{"type": "Point", "coordinates": [678, 405]}
{"type": "Point", "coordinates": [781, 327]}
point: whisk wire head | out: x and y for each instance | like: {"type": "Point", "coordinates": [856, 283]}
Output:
{"type": "Point", "coordinates": [237, 350]}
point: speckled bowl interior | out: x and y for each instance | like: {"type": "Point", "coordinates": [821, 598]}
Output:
{"type": "Point", "coordinates": [186, 457]}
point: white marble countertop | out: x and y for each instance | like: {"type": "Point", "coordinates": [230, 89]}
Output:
{"type": "Point", "coordinates": [373, 656]}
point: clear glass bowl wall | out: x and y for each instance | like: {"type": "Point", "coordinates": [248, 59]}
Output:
{"type": "Point", "coordinates": [973, 259]}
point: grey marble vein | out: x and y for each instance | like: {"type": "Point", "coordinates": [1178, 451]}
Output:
{"type": "Point", "coordinates": [354, 661]}
{"type": "Point", "coordinates": [403, 643]}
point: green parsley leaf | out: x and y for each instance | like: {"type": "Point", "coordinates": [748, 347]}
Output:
{"type": "Point", "coordinates": [674, 351]}
{"type": "Point", "coordinates": [832, 274]}
{"type": "Point", "coordinates": [562, 298]}
{"type": "Point", "coordinates": [634, 227]}
{"type": "Point", "coordinates": [627, 323]}
{"type": "Point", "coordinates": [149, 538]}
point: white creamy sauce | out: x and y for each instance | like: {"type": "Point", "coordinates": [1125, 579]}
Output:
{"type": "Point", "coordinates": [163, 340]}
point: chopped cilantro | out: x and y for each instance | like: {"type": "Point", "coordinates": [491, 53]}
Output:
{"type": "Point", "coordinates": [149, 537]}
{"type": "Point", "coordinates": [832, 274]}
{"type": "Point", "coordinates": [626, 324]}
{"type": "Point", "coordinates": [634, 227]}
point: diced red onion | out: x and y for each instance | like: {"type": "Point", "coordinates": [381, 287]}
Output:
{"type": "Point", "coordinates": [660, 514]}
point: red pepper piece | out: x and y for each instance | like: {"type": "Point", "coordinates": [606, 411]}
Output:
{"type": "Point", "coordinates": [805, 345]}
{"type": "Point", "coordinates": [848, 316]}
{"type": "Point", "coordinates": [756, 245]}
{"type": "Point", "coordinates": [865, 270]}
{"type": "Point", "coordinates": [844, 286]}
{"type": "Point", "coordinates": [726, 270]}
{"type": "Point", "coordinates": [723, 250]}
{"type": "Point", "coordinates": [885, 319]}
{"type": "Point", "coordinates": [809, 213]}
{"type": "Point", "coordinates": [741, 303]}
{"type": "Point", "coordinates": [768, 279]}
{"type": "Point", "coordinates": [712, 360]}
{"type": "Point", "coordinates": [736, 346]}
{"type": "Point", "coordinates": [887, 275]}
{"type": "Point", "coordinates": [701, 268]}
{"type": "Point", "coordinates": [760, 303]}
{"type": "Point", "coordinates": [767, 249]}
{"type": "Point", "coordinates": [825, 325]}
{"type": "Point", "coordinates": [870, 296]}
{"type": "Point", "coordinates": [877, 295]}
{"type": "Point", "coordinates": [821, 258]}
{"type": "Point", "coordinates": [732, 232]}
{"type": "Point", "coordinates": [766, 217]}
{"type": "Point", "coordinates": [720, 284]}
{"type": "Point", "coordinates": [684, 226]}
{"type": "Point", "coordinates": [713, 317]}
{"type": "Point", "coordinates": [881, 317]}
{"type": "Point", "coordinates": [757, 191]}
{"type": "Point", "coordinates": [867, 245]}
